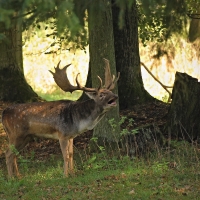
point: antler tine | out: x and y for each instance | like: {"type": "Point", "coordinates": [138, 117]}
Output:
{"type": "Point", "coordinates": [115, 80]}
{"type": "Point", "coordinates": [101, 82]}
{"type": "Point", "coordinates": [58, 64]}
{"type": "Point", "coordinates": [108, 77]}
{"type": "Point", "coordinates": [109, 80]}
{"type": "Point", "coordinates": [78, 84]}
{"type": "Point", "coordinates": [88, 89]}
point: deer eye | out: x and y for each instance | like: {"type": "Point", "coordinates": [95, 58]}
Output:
{"type": "Point", "coordinates": [101, 95]}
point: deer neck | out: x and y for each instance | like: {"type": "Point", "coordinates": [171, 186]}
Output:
{"type": "Point", "coordinates": [88, 114]}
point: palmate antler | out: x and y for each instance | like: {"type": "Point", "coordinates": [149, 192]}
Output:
{"type": "Point", "coordinates": [62, 80]}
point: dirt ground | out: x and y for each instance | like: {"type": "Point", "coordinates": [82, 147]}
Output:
{"type": "Point", "coordinates": [141, 115]}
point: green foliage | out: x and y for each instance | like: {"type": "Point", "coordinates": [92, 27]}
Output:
{"type": "Point", "coordinates": [60, 14]}
{"type": "Point", "coordinates": [159, 19]}
{"type": "Point", "coordinates": [112, 124]}
{"type": "Point", "coordinates": [125, 131]}
{"type": "Point", "coordinates": [67, 16]}
{"type": "Point", "coordinates": [95, 140]}
{"type": "Point", "coordinates": [5, 16]}
{"type": "Point", "coordinates": [160, 167]}
{"type": "Point", "coordinates": [21, 158]}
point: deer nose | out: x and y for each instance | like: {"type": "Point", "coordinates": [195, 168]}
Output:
{"type": "Point", "coordinates": [116, 96]}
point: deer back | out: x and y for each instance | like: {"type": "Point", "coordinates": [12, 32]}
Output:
{"type": "Point", "coordinates": [52, 119]}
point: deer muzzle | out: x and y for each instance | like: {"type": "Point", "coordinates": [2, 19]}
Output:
{"type": "Point", "coordinates": [112, 101]}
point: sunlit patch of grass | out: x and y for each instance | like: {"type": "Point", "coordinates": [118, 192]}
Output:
{"type": "Point", "coordinates": [57, 95]}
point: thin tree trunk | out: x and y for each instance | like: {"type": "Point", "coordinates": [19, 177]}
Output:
{"type": "Point", "coordinates": [101, 45]}
{"type": "Point", "coordinates": [131, 88]}
{"type": "Point", "coordinates": [13, 86]}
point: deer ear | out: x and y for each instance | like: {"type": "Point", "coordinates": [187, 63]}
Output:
{"type": "Point", "coordinates": [91, 95]}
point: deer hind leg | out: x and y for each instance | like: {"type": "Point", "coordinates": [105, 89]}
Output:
{"type": "Point", "coordinates": [11, 159]}
{"type": "Point", "coordinates": [67, 152]}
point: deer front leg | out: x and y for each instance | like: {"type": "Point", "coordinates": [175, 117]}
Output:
{"type": "Point", "coordinates": [71, 161]}
{"type": "Point", "coordinates": [67, 152]}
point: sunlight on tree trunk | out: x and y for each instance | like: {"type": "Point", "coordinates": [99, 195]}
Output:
{"type": "Point", "coordinates": [101, 45]}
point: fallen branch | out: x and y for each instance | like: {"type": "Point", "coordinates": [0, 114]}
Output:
{"type": "Point", "coordinates": [164, 86]}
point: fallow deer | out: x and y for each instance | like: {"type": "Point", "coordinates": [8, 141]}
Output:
{"type": "Point", "coordinates": [62, 120]}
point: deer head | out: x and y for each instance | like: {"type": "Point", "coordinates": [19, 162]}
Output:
{"type": "Point", "coordinates": [100, 95]}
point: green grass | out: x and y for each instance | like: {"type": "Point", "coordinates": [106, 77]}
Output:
{"type": "Point", "coordinates": [57, 95]}
{"type": "Point", "coordinates": [170, 174]}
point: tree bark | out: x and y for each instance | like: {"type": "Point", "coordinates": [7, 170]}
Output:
{"type": "Point", "coordinates": [131, 87]}
{"type": "Point", "coordinates": [101, 45]}
{"type": "Point", "coordinates": [194, 28]}
{"type": "Point", "coordinates": [88, 84]}
{"type": "Point", "coordinates": [13, 85]}
{"type": "Point", "coordinates": [184, 111]}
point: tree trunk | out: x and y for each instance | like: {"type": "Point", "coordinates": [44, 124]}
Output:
{"type": "Point", "coordinates": [194, 28]}
{"type": "Point", "coordinates": [101, 45]}
{"type": "Point", "coordinates": [13, 86]}
{"type": "Point", "coordinates": [131, 88]}
{"type": "Point", "coordinates": [183, 116]}
{"type": "Point", "coordinates": [88, 84]}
